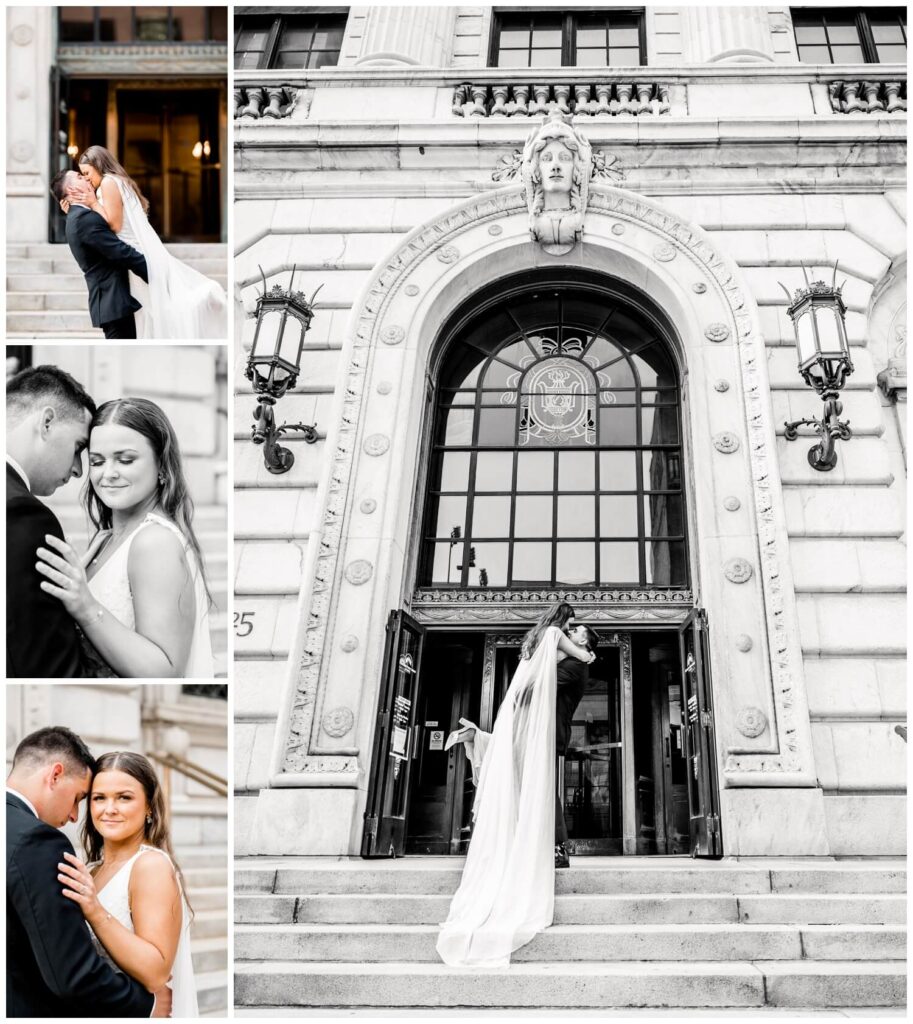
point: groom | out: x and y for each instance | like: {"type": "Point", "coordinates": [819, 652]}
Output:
{"type": "Point", "coordinates": [52, 968]}
{"type": "Point", "coordinates": [47, 428]}
{"type": "Point", "coordinates": [102, 257]}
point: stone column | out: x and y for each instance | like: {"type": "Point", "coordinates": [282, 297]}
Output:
{"type": "Point", "coordinates": [395, 36]}
{"type": "Point", "coordinates": [729, 35]}
{"type": "Point", "coordinates": [30, 52]}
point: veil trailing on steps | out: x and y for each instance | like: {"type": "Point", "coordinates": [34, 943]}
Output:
{"type": "Point", "coordinates": [507, 892]}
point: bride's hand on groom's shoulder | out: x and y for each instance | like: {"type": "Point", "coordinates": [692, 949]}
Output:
{"type": "Point", "coordinates": [65, 577]}
{"type": "Point", "coordinates": [95, 545]}
{"type": "Point", "coordinates": [79, 886]}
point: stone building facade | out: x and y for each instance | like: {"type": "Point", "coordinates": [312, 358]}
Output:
{"type": "Point", "coordinates": [724, 165]}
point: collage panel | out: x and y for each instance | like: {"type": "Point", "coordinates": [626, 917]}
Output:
{"type": "Point", "coordinates": [117, 819]}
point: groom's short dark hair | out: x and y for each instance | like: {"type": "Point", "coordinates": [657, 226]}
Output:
{"type": "Point", "coordinates": [48, 385]}
{"type": "Point", "coordinates": [59, 184]}
{"type": "Point", "coordinates": [592, 637]}
{"type": "Point", "coordinates": [55, 743]}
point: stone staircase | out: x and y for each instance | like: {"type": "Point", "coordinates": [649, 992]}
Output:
{"type": "Point", "coordinates": [638, 932]}
{"type": "Point", "coordinates": [211, 530]}
{"type": "Point", "coordinates": [46, 292]}
{"type": "Point", "coordinates": [200, 832]}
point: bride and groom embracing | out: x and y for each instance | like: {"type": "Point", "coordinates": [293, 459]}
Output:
{"type": "Point", "coordinates": [110, 938]}
{"type": "Point", "coordinates": [507, 892]}
{"type": "Point", "coordinates": [137, 289]}
{"type": "Point", "coordinates": [136, 604]}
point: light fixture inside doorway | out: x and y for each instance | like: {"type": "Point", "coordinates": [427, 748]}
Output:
{"type": "Point", "coordinates": [201, 148]}
{"type": "Point", "coordinates": [283, 318]}
{"type": "Point", "coordinates": [818, 314]}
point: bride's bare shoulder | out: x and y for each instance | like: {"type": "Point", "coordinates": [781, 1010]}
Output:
{"type": "Point", "coordinates": [153, 871]}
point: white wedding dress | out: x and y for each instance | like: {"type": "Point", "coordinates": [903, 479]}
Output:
{"type": "Point", "coordinates": [507, 892]}
{"type": "Point", "coordinates": [110, 586]}
{"type": "Point", "coordinates": [178, 302]}
{"type": "Point", "coordinates": [115, 898]}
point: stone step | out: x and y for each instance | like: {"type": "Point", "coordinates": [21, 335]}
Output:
{"type": "Point", "coordinates": [435, 876]}
{"type": "Point", "coordinates": [204, 877]}
{"type": "Point", "coordinates": [60, 250]}
{"type": "Point", "coordinates": [571, 943]}
{"type": "Point", "coordinates": [208, 924]}
{"type": "Point", "coordinates": [32, 324]}
{"type": "Point", "coordinates": [54, 300]}
{"type": "Point", "coordinates": [64, 264]}
{"type": "Point", "coordinates": [212, 993]}
{"type": "Point", "coordinates": [200, 856]}
{"type": "Point", "coordinates": [209, 954]}
{"type": "Point", "coordinates": [600, 985]}
{"type": "Point", "coordinates": [346, 908]}
{"type": "Point", "coordinates": [209, 898]}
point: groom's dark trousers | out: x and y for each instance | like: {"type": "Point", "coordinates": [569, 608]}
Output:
{"type": "Point", "coordinates": [572, 680]}
{"type": "Point", "coordinates": [105, 260]}
{"type": "Point", "coordinates": [52, 968]}
{"type": "Point", "coordinates": [41, 641]}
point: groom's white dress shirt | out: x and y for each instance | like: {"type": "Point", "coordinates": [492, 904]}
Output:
{"type": "Point", "coordinates": [28, 803]}
{"type": "Point", "coordinates": [10, 461]}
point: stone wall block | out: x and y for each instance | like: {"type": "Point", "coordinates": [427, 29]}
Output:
{"type": "Point", "coordinates": [861, 408]}
{"type": "Point", "coordinates": [293, 408]}
{"type": "Point", "coordinates": [773, 822]}
{"type": "Point", "coordinates": [250, 470]}
{"type": "Point", "coordinates": [825, 759]}
{"type": "Point", "coordinates": [275, 513]}
{"type": "Point", "coordinates": [245, 840]}
{"type": "Point", "coordinates": [862, 687]}
{"type": "Point", "coordinates": [861, 460]}
{"type": "Point", "coordinates": [269, 568]}
{"type": "Point", "coordinates": [873, 219]}
{"type": "Point", "coordinates": [272, 620]}
{"type": "Point", "coordinates": [867, 755]}
{"type": "Point", "coordinates": [814, 511]}
{"type": "Point", "coordinates": [765, 285]}
{"type": "Point", "coordinates": [870, 825]}
{"type": "Point", "coordinates": [863, 624]}
{"type": "Point", "coordinates": [331, 251]}
{"type": "Point", "coordinates": [283, 816]}
{"type": "Point", "coordinates": [844, 566]}
{"type": "Point", "coordinates": [258, 689]}
{"type": "Point", "coordinates": [253, 745]}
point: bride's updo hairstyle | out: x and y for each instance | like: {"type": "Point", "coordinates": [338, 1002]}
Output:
{"type": "Point", "coordinates": [174, 499]}
{"type": "Point", "coordinates": [157, 831]}
{"type": "Point", "coordinates": [104, 162]}
{"type": "Point", "coordinates": [558, 615]}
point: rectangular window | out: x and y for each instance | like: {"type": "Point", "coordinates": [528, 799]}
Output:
{"type": "Point", "coordinates": [551, 38]}
{"type": "Point", "coordinates": [292, 41]}
{"type": "Point", "coordinates": [143, 25]}
{"type": "Point", "coordinates": [850, 35]}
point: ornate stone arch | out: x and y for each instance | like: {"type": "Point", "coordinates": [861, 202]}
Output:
{"type": "Point", "coordinates": [355, 563]}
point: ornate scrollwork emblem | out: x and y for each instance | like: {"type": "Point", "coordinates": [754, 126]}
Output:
{"type": "Point", "coordinates": [349, 643]}
{"type": "Point", "coordinates": [359, 571]}
{"type": "Point", "coordinates": [698, 287]}
{"type": "Point", "coordinates": [495, 229]}
{"type": "Point", "coordinates": [716, 332]}
{"type": "Point", "coordinates": [368, 506]}
{"type": "Point", "coordinates": [738, 570]}
{"type": "Point", "coordinates": [727, 443]}
{"type": "Point", "coordinates": [449, 254]}
{"type": "Point", "coordinates": [392, 334]}
{"type": "Point", "coordinates": [376, 444]}
{"type": "Point", "coordinates": [618, 228]}
{"type": "Point", "coordinates": [750, 722]}
{"type": "Point", "coordinates": [722, 386]}
{"type": "Point", "coordinates": [411, 290]}
{"type": "Point", "coordinates": [664, 253]}
{"type": "Point", "coordinates": [732, 503]}
{"type": "Point", "coordinates": [338, 722]}
{"type": "Point", "coordinates": [744, 643]}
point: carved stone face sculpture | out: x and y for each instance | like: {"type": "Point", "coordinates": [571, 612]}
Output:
{"type": "Point", "coordinates": [555, 169]}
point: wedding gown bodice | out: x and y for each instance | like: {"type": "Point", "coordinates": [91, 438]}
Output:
{"type": "Point", "coordinates": [110, 586]}
{"type": "Point", "coordinates": [115, 898]}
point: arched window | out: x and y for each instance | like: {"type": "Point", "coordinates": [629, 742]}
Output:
{"type": "Point", "coordinates": [556, 447]}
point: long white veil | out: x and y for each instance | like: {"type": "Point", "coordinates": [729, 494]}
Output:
{"type": "Point", "coordinates": [507, 892]}
{"type": "Point", "coordinates": [179, 302]}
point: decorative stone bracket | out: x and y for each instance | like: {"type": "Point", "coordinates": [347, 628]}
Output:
{"type": "Point", "coordinates": [605, 99]}
{"type": "Point", "coordinates": [867, 97]}
{"type": "Point", "coordinates": [270, 101]}
{"type": "Point", "coordinates": [893, 380]}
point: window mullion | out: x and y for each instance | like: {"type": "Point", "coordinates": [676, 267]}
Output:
{"type": "Point", "coordinates": [272, 43]}
{"type": "Point", "coordinates": [569, 42]}
{"type": "Point", "coordinates": [864, 31]}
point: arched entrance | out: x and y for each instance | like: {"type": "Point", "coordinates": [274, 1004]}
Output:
{"type": "Point", "coordinates": [553, 455]}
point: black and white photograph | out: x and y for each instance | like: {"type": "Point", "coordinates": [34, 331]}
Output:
{"type": "Point", "coordinates": [121, 232]}
{"type": "Point", "coordinates": [569, 612]}
{"type": "Point", "coordinates": [116, 529]}
{"type": "Point", "coordinates": [116, 850]}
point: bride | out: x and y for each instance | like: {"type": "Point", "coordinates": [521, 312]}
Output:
{"type": "Point", "coordinates": [132, 892]}
{"type": "Point", "coordinates": [178, 302]}
{"type": "Point", "coordinates": [139, 595]}
{"type": "Point", "coordinates": [507, 892]}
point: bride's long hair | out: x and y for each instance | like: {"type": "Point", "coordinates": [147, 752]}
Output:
{"type": "Point", "coordinates": [558, 615]}
{"type": "Point", "coordinates": [104, 162]}
{"type": "Point", "coordinates": [157, 833]}
{"type": "Point", "coordinates": [148, 419]}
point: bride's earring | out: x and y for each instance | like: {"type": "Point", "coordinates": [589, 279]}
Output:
{"type": "Point", "coordinates": [161, 479]}
{"type": "Point", "coordinates": [148, 819]}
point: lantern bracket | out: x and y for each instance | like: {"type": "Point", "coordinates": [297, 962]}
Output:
{"type": "Point", "coordinates": [264, 431]}
{"type": "Point", "coordinates": [830, 429]}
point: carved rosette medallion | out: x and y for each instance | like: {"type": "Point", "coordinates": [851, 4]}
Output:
{"type": "Point", "coordinates": [699, 288]}
{"type": "Point", "coordinates": [618, 229]}
{"type": "Point", "coordinates": [22, 151]}
{"type": "Point", "coordinates": [22, 35]}
{"type": "Point", "coordinates": [738, 570]}
{"type": "Point", "coordinates": [727, 443]}
{"type": "Point", "coordinates": [495, 229]}
{"type": "Point", "coordinates": [368, 506]}
{"type": "Point", "coordinates": [359, 571]}
{"type": "Point", "coordinates": [376, 444]}
{"type": "Point", "coordinates": [716, 332]}
{"type": "Point", "coordinates": [664, 253]}
{"type": "Point", "coordinates": [744, 643]}
{"type": "Point", "coordinates": [338, 721]}
{"type": "Point", "coordinates": [392, 334]}
{"type": "Point", "coordinates": [722, 386]}
{"type": "Point", "coordinates": [349, 643]}
{"type": "Point", "coordinates": [750, 722]}
{"type": "Point", "coordinates": [449, 254]}
{"type": "Point", "coordinates": [732, 503]}
{"type": "Point", "coordinates": [384, 387]}
{"type": "Point", "coordinates": [411, 290]}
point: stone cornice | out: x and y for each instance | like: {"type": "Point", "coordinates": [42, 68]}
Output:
{"type": "Point", "coordinates": [130, 59]}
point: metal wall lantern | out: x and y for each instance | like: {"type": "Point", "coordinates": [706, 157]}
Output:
{"type": "Point", "coordinates": [283, 318]}
{"type": "Point", "coordinates": [818, 315]}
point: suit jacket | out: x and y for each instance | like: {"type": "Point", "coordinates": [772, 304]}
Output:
{"type": "Point", "coordinates": [105, 260]}
{"type": "Point", "coordinates": [572, 679]}
{"type": "Point", "coordinates": [41, 640]}
{"type": "Point", "coordinates": [52, 968]}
